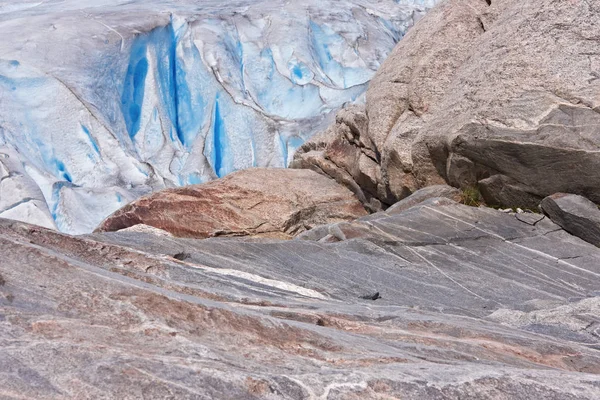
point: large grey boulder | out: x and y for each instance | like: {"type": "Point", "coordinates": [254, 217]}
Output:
{"type": "Point", "coordinates": [439, 301]}
{"type": "Point", "coordinates": [479, 89]}
{"type": "Point", "coordinates": [575, 214]}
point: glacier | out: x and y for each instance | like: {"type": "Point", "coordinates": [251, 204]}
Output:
{"type": "Point", "coordinates": [103, 101]}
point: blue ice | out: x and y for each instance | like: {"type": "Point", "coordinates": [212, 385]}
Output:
{"type": "Point", "coordinates": [218, 153]}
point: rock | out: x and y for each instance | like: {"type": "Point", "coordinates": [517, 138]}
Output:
{"type": "Point", "coordinates": [510, 306]}
{"type": "Point", "coordinates": [567, 321]}
{"type": "Point", "coordinates": [500, 190]}
{"type": "Point", "coordinates": [147, 229]}
{"type": "Point", "coordinates": [423, 194]}
{"type": "Point", "coordinates": [485, 93]}
{"type": "Point", "coordinates": [255, 202]}
{"type": "Point", "coordinates": [575, 214]}
{"type": "Point", "coordinates": [345, 152]}
{"type": "Point", "coordinates": [460, 171]}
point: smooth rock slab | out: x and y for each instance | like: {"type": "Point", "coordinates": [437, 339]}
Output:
{"type": "Point", "coordinates": [255, 202]}
{"type": "Point", "coordinates": [424, 194]}
{"type": "Point", "coordinates": [471, 305]}
{"type": "Point", "coordinates": [575, 214]}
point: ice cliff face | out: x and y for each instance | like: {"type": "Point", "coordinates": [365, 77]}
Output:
{"type": "Point", "coordinates": [103, 101]}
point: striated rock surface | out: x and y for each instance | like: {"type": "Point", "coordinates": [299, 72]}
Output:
{"type": "Point", "coordinates": [255, 202]}
{"type": "Point", "coordinates": [504, 95]}
{"type": "Point", "coordinates": [575, 214]}
{"type": "Point", "coordinates": [469, 303]}
{"type": "Point", "coordinates": [430, 192]}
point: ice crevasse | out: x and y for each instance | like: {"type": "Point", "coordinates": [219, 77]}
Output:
{"type": "Point", "coordinates": [102, 101]}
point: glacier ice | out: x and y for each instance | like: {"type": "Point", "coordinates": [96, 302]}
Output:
{"type": "Point", "coordinates": [102, 101]}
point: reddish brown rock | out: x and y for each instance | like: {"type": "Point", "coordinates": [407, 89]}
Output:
{"type": "Point", "coordinates": [255, 202]}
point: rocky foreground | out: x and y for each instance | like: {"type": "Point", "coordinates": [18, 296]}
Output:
{"type": "Point", "coordinates": [439, 300]}
{"type": "Point", "coordinates": [278, 284]}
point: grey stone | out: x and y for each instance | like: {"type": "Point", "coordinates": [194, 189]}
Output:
{"type": "Point", "coordinates": [423, 194]}
{"type": "Point", "coordinates": [345, 153]}
{"type": "Point", "coordinates": [500, 190]}
{"type": "Point", "coordinates": [460, 171]}
{"type": "Point", "coordinates": [510, 305]}
{"type": "Point", "coordinates": [575, 214]}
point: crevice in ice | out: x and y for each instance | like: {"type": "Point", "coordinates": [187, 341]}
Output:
{"type": "Point", "coordinates": [18, 203]}
{"type": "Point", "coordinates": [217, 150]}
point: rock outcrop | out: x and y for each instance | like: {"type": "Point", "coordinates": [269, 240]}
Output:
{"type": "Point", "coordinates": [504, 95]}
{"type": "Point", "coordinates": [255, 202]}
{"type": "Point", "coordinates": [439, 301]}
{"type": "Point", "coordinates": [426, 193]}
{"type": "Point", "coordinates": [575, 214]}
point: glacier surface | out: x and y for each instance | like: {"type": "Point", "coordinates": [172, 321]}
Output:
{"type": "Point", "coordinates": [102, 101]}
